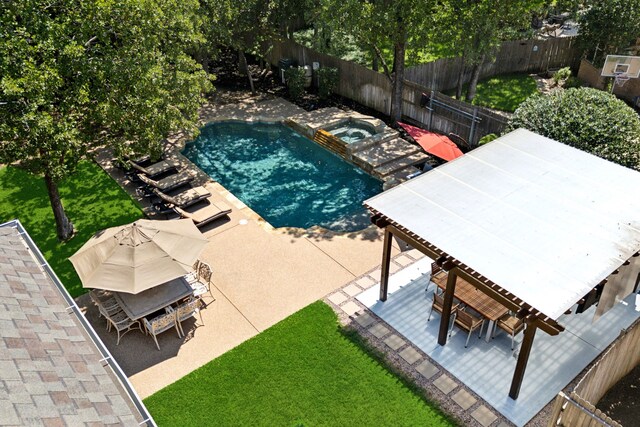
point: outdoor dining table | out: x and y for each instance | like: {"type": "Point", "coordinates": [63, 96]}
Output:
{"type": "Point", "coordinates": [136, 306]}
{"type": "Point", "coordinates": [469, 295]}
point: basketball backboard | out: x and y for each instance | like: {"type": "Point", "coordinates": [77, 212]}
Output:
{"type": "Point", "coordinates": [616, 65]}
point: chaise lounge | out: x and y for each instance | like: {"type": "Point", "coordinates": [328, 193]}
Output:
{"type": "Point", "coordinates": [169, 183]}
{"type": "Point", "coordinates": [156, 168]}
{"type": "Point", "coordinates": [185, 198]}
{"type": "Point", "coordinates": [205, 214]}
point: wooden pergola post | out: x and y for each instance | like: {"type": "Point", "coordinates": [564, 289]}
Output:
{"type": "Point", "coordinates": [446, 309]}
{"type": "Point", "coordinates": [386, 261]}
{"type": "Point", "coordinates": [523, 358]}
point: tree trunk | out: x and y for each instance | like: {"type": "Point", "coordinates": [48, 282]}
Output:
{"type": "Point", "coordinates": [475, 75]}
{"type": "Point", "coordinates": [64, 227]}
{"type": "Point", "coordinates": [244, 69]}
{"type": "Point", "coordinates": [398, 80]}
{"type": "Point", "coordinates": [375, 65]}
{"type": "Point", "coordinates": [460, 78]}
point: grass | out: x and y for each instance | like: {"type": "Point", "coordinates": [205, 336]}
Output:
{"type": "Point", "coordinates": [304, 371]}
{"type": "Point", "coordinates": [505, 92]}
{"type": "Point", "coordinates": [92, 200]}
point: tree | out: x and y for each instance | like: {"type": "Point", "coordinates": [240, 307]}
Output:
{"type": "Point", "coordinates": [476, 28]}
{"type": "Point", "coordinates": [379, 23]}
{"type": "Point", "coordinates": [79, 74]}
{"type": "Point", "coordinates": [607, 27]}
{"type": "Point", "coordinates": [584, 118]}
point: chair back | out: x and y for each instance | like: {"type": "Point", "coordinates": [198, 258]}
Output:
{"type": "Point", "coordinates": [161, 323]}
{"type": "Point", "coordinates": [204, 272]}
{"type": "Point", "coordinates": [187, 309]}
{"type": "Point", "coordinates": [436, 269]}
{"type": "Point", "coordinates": [466, 320]}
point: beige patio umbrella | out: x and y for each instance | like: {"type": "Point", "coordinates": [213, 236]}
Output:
{"type": "Point", "coordinates": [138, 256]}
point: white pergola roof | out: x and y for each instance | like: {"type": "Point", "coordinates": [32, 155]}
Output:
{"type": "Point", "coordinates": [542, 220]}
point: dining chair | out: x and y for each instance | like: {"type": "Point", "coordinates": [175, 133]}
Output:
{"type": "Point", "coordinates": [511, 325]}
{"type": "Point", "coordinates": [121, 322]}
{"type": "Point", "coordinates": [436, 271]}
{"type": "Point", "coordinates": [186, 310]}
{"type": "Point", "coordinates": [193, 276]}
{"type": "Point", "coordinates": [202, 285]}
{"type": "Point", "coordinates": [106, 301]}
{"type": "Point", "coordinates": [161, 323]}
{"type": "Point", "coordinates": [467, 322]}
{"type": "Point", "coordinates": [438, 305]}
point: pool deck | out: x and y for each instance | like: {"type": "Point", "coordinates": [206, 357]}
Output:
{"type": "Point", "coordinates": [261, 275]}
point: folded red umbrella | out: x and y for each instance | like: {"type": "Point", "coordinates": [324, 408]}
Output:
{"type": "Point", "coordinates": [434, 143]}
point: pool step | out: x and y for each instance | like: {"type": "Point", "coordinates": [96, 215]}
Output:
{"type": "Point", "coordinates": [330, 142]}
{"type": "Point", "coordinates": [389, 168]}
{"type": "Point", "coordinates": [384, 152]}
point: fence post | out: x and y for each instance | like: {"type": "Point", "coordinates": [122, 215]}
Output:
{"type": "Point", "coordinates": [431, 110]}
{"type": "Point", "coordinates": [472, 129]}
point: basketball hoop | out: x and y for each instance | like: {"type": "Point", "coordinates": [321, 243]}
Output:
{"type": "Point", "coordinates": [621, 78]}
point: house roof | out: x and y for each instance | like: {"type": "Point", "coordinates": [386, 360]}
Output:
{"type": "Point", "coordinates": [51, 369]}
{"type": "Point", "coordinates": [542, 220]}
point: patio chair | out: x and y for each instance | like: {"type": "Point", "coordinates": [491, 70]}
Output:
{"type": "Point", "coordinates": [193, 276]}
{"type": "Point", "coordinates": [169, 183]}
{"type": "Point", "coordinates": [161, 323]}
{"type": "Point", "coordinates": [185, 198]}
{"type": "Point", "coordinates": [208, 212]}
{"type": "Point", "coordinates": [122, 323]}
{"type": "Point", "coordinates": [156, 168]}
{"type": "Point", "coordinates": [438, 305]}
{"type": "Point", "coordinates": [202, 285]}
{"type": "Point", "coordinates": [436, 271]}
{"type": "Point", "coordinates": [467, 322]}
{"type": "Point", "coordinates": [107, 302]}
{"type": "Point", "coordinates": [186, 310]}
{"type": "Point", "coordinates": [511, 325]}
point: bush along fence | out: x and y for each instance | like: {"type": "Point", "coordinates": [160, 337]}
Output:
{"type": "Point", "coordinates": [524, 56]}
{"type": "Point", "coordinates": [578, 408]}
{"type": "Point", "coordinates": [421, 105]}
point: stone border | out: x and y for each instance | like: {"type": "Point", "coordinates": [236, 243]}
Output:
{"type": "Point", "coordinates": [452, 395]}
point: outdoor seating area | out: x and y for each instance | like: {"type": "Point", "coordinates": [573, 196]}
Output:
{"type": "Point", "coordinates": [141, 277]}
{"type": "Point", "coordinates": [170, 190]}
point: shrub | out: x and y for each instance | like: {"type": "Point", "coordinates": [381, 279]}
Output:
{"type": "Point", "coordinates": [587, 119]}
{"type": "Point", "coordinates": [561, 75]}
{"type": "Point", "coordinates": [295, 79]}
{"type": "Point", "coordinates": [487, 138]}
{"type": "Point", "coordinates": [328, 79]}
{"type": "Point", "coordinates": [572, 81]}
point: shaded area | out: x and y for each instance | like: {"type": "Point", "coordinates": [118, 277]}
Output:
{"type": "Point", "coordinates": [505, 92]}
{"type": "Point", "coordinates": [92, 200]}
{"type": "Point", "coordinates": [622, 401]}
{"type": "Point", "coordinates": [302, 371]}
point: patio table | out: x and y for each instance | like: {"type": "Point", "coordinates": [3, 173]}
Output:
{"type": "Point", "coordinates": [486, 306]}
{"type": "Point", "coordinates": [136, 306]}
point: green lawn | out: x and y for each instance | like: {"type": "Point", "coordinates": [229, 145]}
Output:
{"type": "Point", "coordinates": [304, 371]}
{"type": "Point", "coordinates": [505, 92]}
{"type": "Point", "coordinates": [92, 200]}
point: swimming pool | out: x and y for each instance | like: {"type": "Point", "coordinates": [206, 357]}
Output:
{"type": "Point", "coordinates": [286, 178]}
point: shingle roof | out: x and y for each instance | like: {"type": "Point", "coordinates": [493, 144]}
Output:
{"type": "Point", "coordinates": [51, 371]}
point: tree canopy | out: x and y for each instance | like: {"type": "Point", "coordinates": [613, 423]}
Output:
{"type": "Point", "coordinates": [608, 27]}
{"type": "Point", "coordinates": [584, 118]}
{"type": "Point", "coordinates": [78, 74]}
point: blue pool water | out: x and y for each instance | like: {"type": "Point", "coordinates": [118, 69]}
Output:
{"type": "Point", "coordinates": [286, 178]}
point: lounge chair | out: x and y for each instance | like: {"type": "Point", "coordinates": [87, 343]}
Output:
{"type": "Point", "coordinates": [185, 198]}
{"type": "Point", "coordinates": [169, 183]}
{"type": "Point", "coordinates": [156, 168]}
{"type": "Point", "coordinates": [205, 214]}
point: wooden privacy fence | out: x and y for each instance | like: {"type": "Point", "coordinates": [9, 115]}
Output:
{"type": "Point", "coordinates": [578, 409]}
{"type": "Point", "coordinates": [524, 56]}
{"type": "Point", "coordinates": [372, 89]}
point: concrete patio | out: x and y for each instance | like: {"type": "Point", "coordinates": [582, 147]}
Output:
{"type": "Point", "coordinates": [487, 368]}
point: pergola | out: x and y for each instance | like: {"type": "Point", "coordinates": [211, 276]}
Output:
{"type": "Point", "coordinates": [533, 223]}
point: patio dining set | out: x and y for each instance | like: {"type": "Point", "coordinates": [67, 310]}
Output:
{"type": "Point", "coordinates": [146, 275]}
{"type": "Point", "coordinates": [472, 309]}
{"type": "Point", "coordinates": [158, 309]}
